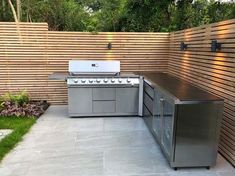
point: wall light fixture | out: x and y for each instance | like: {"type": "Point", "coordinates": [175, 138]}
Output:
{"type": "Point", "coordinates": [183, 46]}
{"type": "Point", "coordinates": [215, 46]}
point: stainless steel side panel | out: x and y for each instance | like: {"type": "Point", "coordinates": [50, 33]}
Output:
{"type": "Point", "coordinates": [196, 136]}
{"type": "Point", "coordinates": [80, 100]}
{"type": "Point", "coordinates": [141, 94]}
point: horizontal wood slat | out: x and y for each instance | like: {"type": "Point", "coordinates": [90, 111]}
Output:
{"type": "Point", "coordinates": [211, 71]}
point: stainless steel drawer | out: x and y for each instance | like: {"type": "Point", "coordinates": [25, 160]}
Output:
{"type": "Point", "coordinates": [103, 94]}
{"type": "Point", "coordinates": [104, 106]}
{"type": "Point", "coordinates": [148, 89]}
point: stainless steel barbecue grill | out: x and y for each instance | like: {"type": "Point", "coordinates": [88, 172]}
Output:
{"type": "Point", "coordinates": [98, 88]}
{"type": "Point", "coordinates": [99, 73]}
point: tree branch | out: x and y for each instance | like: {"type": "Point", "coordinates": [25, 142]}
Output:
{"type": "Point", "coordinates": [13, 11]}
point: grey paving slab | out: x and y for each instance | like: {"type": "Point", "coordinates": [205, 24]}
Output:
{"type": "Point", "coordinates": [124, 124]}
{"type": "Point", "coordinates": [82, 163]}
{"type": "Point", "coordinates": [105, 146]}
{"type": "Point", "coordinates": [143, 160]}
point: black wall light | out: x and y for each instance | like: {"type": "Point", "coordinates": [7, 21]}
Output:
{"type": "Point", "coordinates": [109, 46]}
{"type": "Point", "coordinates": [183, 46]}
{"type": "Point", "coordinates": [215, 45]}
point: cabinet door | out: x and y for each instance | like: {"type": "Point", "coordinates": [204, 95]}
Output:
{"type": "Point", "coordinates": [127, 100]}
{"type": "Point", "coordinates": [80, 100]}
{"type": "Point", "coordinates": [167, 125]}
{"type": "Point", "coordinates": [157, 115]}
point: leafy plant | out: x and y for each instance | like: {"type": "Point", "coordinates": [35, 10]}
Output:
{"type": "Point", "coordinates": [20, 98]}
{"type": "Point", "coordinates": [19, 105]}
{"type": "Point", "coordinates": [1, 105]}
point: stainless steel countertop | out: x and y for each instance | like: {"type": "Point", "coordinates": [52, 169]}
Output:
{"type": "Point", "coordinates": [181, 89]}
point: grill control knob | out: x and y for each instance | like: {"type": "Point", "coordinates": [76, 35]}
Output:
{"type": "Point", "coordinates": [128, 80]}
{"type": "Point", "coordinates": [98, 80]}
{"type": "Point", "coordinates": [105, 80]}
{"type": "Point", "coordinates": [75, 80]}
{"type": "Point", "coordinates": [90, 81]}
{"type": "Point", "coordinates": [83, 80]}
{"type": "Point", "coordinates": [120, 80]}
{"type": "Point", "coordinates": [113, 80]}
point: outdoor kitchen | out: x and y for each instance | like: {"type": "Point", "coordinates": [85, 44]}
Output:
{"type": "Point", "coordinates": [124, 103]}
{"type": "Point", "coordinates": [177, 113]}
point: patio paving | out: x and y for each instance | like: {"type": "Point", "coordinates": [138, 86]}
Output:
{"type": "Point", "coordinates": [61, 146]}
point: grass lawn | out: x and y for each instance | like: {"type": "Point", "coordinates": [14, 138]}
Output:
{"type": "Point", "coordinates": [20, 126]}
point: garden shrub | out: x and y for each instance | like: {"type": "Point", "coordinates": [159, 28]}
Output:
{"type": "Point", "coordinates": [17, 98]}
{"type": "Point", "coordinates": [18, 104]}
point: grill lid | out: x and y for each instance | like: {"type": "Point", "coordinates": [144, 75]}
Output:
{"type": "Point", "coordinates": [94, 67]}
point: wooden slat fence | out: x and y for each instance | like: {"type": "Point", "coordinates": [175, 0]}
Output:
{"type": "Point", "coordinates": [136, 51]}
{"type": "Point", "coordinates": [23, 58]}
{"type": "Point", "coordinates": [29, 56]}
{"type": "Point", "coordinates": [211, 71]}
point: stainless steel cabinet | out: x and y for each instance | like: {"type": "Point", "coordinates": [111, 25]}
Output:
{"type": "Point", "coordinates": [187, 131]}
{"type": "Point", "coordinates": [103, 101]}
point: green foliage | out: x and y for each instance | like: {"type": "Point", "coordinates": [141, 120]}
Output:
{"type": "Point", "coordinates": [218, 11]}
{"type": "Point", "coordinates": [5, 11]}
{"type": "Point", "coordinates": [121, 15]}
{"type": "Point", "coordinates": [190, 14]}
{"type": "Point", "coordinates": [146, 15]}
{"type": "Point", "coordinates": [1, 105]}
{"type": "Point", "coordinates": [17, 98]}
{"type": "Point", "coordinates": [59, 14]}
